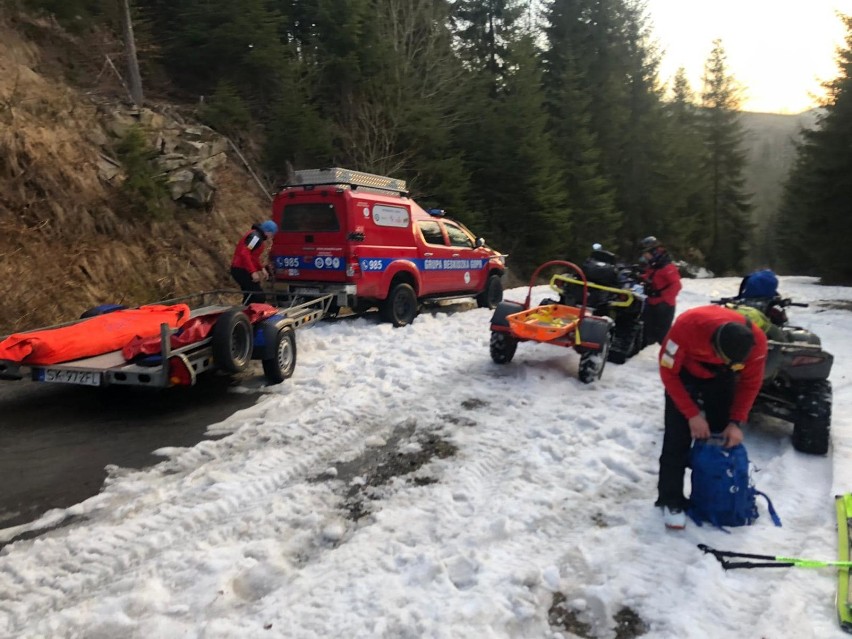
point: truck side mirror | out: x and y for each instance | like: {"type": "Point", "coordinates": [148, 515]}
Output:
{"type": "Point", "coordinates": [480, 242]}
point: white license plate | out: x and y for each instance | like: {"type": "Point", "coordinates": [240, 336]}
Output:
{"type": "Point", "coordinates": [306, 291]}
{"type": "Point", "coordinates": [86, 378]}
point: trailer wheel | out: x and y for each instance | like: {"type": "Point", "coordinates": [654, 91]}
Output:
{"type": "Point", "coordinates": [281, 367]}
{"type": "Point", "coordinates": [502, 347]}
{"type": "Point", "coordinates": [592, 363]}
{"type": "Point", "coordinates": [232, 341]}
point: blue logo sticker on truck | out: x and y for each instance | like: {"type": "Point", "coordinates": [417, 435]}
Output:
{"type": "Point", "coordinates": [376, 264]}
{"type": "Point", "coordinates": [320, 262]}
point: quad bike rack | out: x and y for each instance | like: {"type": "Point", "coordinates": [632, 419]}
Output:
{"type": "Point", "coordinates": [557, 324]}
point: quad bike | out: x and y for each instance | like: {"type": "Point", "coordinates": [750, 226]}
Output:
{"type": "Point", "coordinates": [615, 291]}
{"type": "Point", "coordinates": [795, 384]}
{"type": "Point", "coordinates": [570, 326]}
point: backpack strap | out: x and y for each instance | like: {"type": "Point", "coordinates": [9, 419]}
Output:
{"type": "Point", "coordinates": [775, 518]}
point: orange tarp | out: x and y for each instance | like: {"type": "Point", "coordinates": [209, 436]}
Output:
{"type": "Point", "coordinates": [93, 336]}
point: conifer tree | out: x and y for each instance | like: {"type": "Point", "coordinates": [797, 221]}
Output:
{"type": "Point", "coordinates": [570, 105]}
{"type": "Point", "coordinates": [728, 223]}
{"type": "Point", "coordinates": [684, 185]}
{"type": "Point", "coordinates": [814, 222]}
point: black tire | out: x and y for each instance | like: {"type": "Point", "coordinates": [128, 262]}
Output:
{"type": "Point", "coordinates": [592, 363]}
{"type": "Point", "coordinates": [232, 341]}
{"type": "Point", "coordinates": [812, 419]}
{"type": "Point", "coordinates": [401, 307]}
{"type": "Point", "coordinates": [502, 347]}
{"type": "Point", "coordinates": [492, 295]}
{"type": "Point", "coordinates": [281, 367]}
{"type": "Point", "coordinates": [103, 309]}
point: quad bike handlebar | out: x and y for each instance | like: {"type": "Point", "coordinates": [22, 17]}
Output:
{"type": "Point", "coordinates": [776, 301]}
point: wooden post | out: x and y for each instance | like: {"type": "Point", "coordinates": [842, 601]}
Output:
{"type": "Point", "coordinates": [130, 52]}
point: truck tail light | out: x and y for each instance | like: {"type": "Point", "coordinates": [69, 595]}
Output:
{"type": "Point", "coordinates": [805, 360]}
{"type": "Point", "coordinates": [353, 268]}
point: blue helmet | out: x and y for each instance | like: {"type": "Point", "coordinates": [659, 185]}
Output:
{"type": "Point", "coordinates": [269, 227]}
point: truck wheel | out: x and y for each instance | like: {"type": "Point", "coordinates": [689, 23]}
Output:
{"type": "Point", "coordinates": [812, 419]}
{"type": "Point", "coordinates": [232, 341]}
{"type": "Point", "coordinates": [400, 308]}
{"type": "Point", "coordinates": [281, 367]}
{"type": "Point", "coordinates": [502, 347]}
{"type": "Point", "coordinates": [492, 295]}
{"type": "Point", "coordinates": [592, 363]}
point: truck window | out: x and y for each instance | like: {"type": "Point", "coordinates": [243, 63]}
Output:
{"type": "Point", "coordinates": [309, 218]}
{"type": "Point", "coordinates": [458, 237]}
{"type": "Point", "coordinates": [432, 233]}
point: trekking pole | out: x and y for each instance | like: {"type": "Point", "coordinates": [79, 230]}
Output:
{"type": "Point", "coordinates": [769, 561]}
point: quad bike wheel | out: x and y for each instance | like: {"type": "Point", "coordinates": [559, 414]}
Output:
{"type": "Point", "coordinates": [502, 347]}
{"type": "Point", "coordinates": [812, 419]}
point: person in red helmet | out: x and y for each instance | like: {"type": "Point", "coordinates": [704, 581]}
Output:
{"type": "Point", "coordinates": [246, 267]}
{"type": "Point", "coordinates": [662, 284]}
{"type": "Point", "coordinates": [711, 364]}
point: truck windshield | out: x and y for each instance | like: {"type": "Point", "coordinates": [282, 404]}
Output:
{"type": "Point", "coordinates": [310, 218]}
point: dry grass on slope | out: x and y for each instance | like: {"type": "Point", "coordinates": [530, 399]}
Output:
{"type": "Point", "coordinates": [66, 241]}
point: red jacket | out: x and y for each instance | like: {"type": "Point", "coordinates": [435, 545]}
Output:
{"type": "Point", "coordinates": [664, 284]}
{"type": "Point", "coordinates": [689, 344]}
{"type": "Point", "coordinates": [248, 251]}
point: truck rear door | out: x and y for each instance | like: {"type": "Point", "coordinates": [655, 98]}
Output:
{"type": "Point", "coordinates": [310, 245]}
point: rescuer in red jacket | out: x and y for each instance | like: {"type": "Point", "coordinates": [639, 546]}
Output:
{"type": "Point", "coordinates": [246, 266]}
{"type": "Point", "coordinates": [711, 364]}
{"type": "Point", "coordinates": [662, 284]}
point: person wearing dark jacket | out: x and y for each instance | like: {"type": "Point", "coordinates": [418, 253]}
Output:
{"type": "Point", "coordinates": [246, 267]}
{"type": "Point", "coordinates": [662, 284]}
{"type": "Point", "coordinates": [711, 363]}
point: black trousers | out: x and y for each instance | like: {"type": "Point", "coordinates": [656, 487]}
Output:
{"type": "Point", "coordinates": [657, 319]}
{"type": "Point", "coordinates": [253, 291]}
{"type": "Point", "coordinates": [714, 396]}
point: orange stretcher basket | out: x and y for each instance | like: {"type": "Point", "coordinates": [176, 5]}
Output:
{"type": "Point", "coordinates": [544, 323]}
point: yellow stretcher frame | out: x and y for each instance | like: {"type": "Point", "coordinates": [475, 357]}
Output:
{"type": "Point", "coordinates": [629, 297]}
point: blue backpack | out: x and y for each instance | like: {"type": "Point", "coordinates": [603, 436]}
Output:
{"type": "Point", "coordinates": [763, 283]}
{"type": "Point", "coordinates": [723, 491]}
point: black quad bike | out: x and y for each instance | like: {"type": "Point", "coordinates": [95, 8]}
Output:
{"type": "Point", "coordinates": [615, 291]}
{"type": "Point", "coordinates": [795, 384]}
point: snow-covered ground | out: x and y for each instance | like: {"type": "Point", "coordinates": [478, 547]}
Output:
{"type": "Point", "coordinates": [528, 511]}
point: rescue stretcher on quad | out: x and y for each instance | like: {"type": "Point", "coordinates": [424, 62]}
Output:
{"type": "Point", "coordinates": [228, 344]}
{"type": "Point", "coordinates": [552, 323]}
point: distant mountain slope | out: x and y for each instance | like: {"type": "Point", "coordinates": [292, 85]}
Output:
{"type": "Point", "coordinates": [771, 147]}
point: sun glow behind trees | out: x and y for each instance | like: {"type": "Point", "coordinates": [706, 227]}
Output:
{"type": "Point", "coordinates": [779, 50]}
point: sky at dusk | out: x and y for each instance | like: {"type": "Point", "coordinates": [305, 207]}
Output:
{"type": "Point", "coordinates": [780, 51]}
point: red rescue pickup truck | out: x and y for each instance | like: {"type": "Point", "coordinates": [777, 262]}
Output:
{"type": "Point", "coordinates": [359, 237]}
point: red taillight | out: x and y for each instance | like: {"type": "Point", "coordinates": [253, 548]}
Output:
{"type": "Point", "coordinates": [181, 372]}
{"type": "Point", "coordinates": [805, 360]}
{"type": "Point", "coordinates": [353, 268]}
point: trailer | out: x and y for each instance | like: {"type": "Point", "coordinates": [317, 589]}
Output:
{"type": "Point", "coordinates": [229, 345]}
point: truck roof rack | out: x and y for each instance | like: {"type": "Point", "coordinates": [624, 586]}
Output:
{"type": "Point", "coordinates": [347, 177]}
